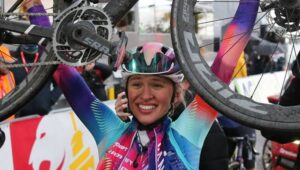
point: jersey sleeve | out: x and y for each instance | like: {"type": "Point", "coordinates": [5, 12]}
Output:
{"type": "Point", "coordinates": [195, 121]}
{"type": "Point", "coordinates": [96, 116]}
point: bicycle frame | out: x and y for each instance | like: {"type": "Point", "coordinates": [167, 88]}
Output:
{"type": "Point", "coordinates": [33, 34]}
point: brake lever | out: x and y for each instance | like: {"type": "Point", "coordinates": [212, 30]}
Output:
{"type": "Point", "coordinates": [120, 50]}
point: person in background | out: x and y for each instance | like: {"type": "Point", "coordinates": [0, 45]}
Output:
{"type": "Point", "coordinates": [42, 103]}
{"type": "Point", "coordinates": [290, 97]}
{"type": "Point", "coordinates": [7, 80]}
{"type": "Point", "coordinates": [266, 55]}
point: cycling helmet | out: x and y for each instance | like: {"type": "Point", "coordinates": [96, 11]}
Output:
{"type": "Point", "coordinates": [152, 59]}
{"type": "Point", "coordinates": [5, 56]}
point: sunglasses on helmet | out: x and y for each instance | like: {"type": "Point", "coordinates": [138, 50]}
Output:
{"type": "Point", "coordinates": [159, 64]}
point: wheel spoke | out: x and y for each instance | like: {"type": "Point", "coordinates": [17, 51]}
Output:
{"type": "Point", "coordinates": [202, 28]}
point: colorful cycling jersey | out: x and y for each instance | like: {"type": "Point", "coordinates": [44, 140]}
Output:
{"type": "Point", "coordinates": [173, 145]}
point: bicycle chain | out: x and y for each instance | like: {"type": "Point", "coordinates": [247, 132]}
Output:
{"type": "Point", "coordinates": [31, 64]}
{"type": "Point", "coordinates": [27, 14]}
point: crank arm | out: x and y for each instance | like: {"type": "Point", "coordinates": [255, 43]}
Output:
{"type": "Point", "coordinates": [85, 37]}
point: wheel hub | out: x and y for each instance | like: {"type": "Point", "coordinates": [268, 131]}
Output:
{"type": "Point", "coordinates": [283, 17]}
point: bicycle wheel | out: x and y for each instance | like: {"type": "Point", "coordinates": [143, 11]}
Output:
{"type": "Point", "coordinates": [267, 155]}
{"type": "Point", "coordinates": [187, 41]}
{"type": "Point", "coordinates": [38, 75]}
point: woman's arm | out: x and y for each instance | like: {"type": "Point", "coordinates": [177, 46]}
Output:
{"type": "Point", "coordinates": [96, 116]}
{"type": "Point", "coordinates": [195, 121]}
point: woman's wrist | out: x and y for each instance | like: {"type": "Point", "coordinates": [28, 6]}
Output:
{"type": "Point", "coordinates": [39, 20]}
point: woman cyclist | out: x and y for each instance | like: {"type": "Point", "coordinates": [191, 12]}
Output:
{"type": "Point", "coordinates": [214, 153]}
{"type": "Point", "coordinates": [151, 140]}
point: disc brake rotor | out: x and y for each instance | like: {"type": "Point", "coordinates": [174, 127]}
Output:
{"type": "Point", "coordinates": [284, 19]}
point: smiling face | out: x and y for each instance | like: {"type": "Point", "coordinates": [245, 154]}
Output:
{"type": "Point", "coordinates": [149, 97]}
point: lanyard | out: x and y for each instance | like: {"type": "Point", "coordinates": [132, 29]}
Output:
{"type": "Point", "coordinates": [36, 57]}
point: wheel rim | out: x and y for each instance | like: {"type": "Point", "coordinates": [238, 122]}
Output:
{"type": "Point", "coordinates": [267, 155]}
{"type": "Point", "coordinates": [240, 108]}
{"type": "Point", "coordinates": [28, 85]}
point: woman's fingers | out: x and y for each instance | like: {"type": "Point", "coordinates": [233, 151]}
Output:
{"type": "Point", "coordinates": [121, 104]}
{"type": "Point", "coordinates": [121, 107]}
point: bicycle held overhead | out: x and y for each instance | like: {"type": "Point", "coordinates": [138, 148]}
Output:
{"type": "Point", "coordinates": [88, 37]}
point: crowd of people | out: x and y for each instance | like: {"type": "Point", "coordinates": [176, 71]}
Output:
{"type": "Point", "coordinates": [160, 122]}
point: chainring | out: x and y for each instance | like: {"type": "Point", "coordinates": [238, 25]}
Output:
{"type": "Point", "coordinates": [70, 52]}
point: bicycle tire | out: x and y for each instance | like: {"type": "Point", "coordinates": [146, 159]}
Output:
{"type": "Point", "coordinates": [22, 93]}
{"type": "Point", "coordinates": [216, 93]}
{"type": "Point", "coordinates": [267, 155]}
{"type": "Point", "coordinates": [36, 78]}
{"type": "Point", "coordinates": [30, 85]}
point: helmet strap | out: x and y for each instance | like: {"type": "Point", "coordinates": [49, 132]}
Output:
{"type": "Point", "coordinates": [174, 93]}
{"type": "Point", "coordinates": [126, 93]}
